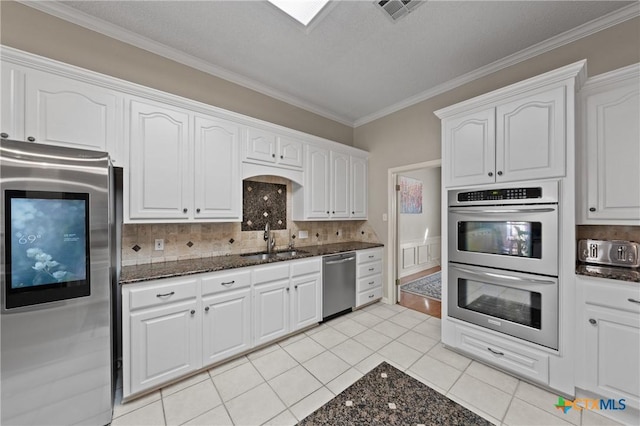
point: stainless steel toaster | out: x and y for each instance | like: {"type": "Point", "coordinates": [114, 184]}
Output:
{"type": "Point", "coordinates": [613, 252]}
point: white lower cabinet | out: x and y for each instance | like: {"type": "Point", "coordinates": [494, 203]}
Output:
{"type": "Point", "coordinates": [161, 333]}
{"type": "Point", "coordinates": [368, 276]}
{"type": "Point", "coordinates": [608, 339]}
{"type": "Point", "coordinates": [175, 326]}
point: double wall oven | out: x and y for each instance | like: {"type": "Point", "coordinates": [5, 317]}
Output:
{"type": "Point", "coordinates": [503, 259]}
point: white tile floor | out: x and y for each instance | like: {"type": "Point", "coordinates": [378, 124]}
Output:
{"type": "Point", "coordinates": [286, 381]}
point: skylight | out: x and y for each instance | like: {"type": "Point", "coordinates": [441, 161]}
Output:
{"type": "Point", "coordinates": [302, 11]}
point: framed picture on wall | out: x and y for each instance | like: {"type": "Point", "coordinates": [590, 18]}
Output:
{"type": "Point", "coordinates": [410, 195]}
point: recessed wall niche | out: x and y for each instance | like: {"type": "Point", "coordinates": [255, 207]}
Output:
{"type": "Point", "coordinates": [261, 203]}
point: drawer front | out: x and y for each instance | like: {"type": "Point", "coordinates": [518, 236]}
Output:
{"type": "Point", "coordinates": [368, 296]}
{"type": "Point", "coordinates": [306, 267]}
{"type": "Point", "coordinates": [369, 269]}
{"type": "Point", "coordinates": [499, 352]}
{"type": "Point", "coordinates": [267, 274]}
{"type": "Point", "coordinates": [162, 292]}
{"type": "Point", "coordinates": [369, 283]}
{"type": "Point", "coordinates": [215, 283]}
{"type": "Point", "coordinates": [612, 294]}
{"type": "Point", "coordinates": [369, 256]}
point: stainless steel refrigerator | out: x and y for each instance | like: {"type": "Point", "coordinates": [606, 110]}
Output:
{"type": "Point", "coordinates": [56, 253]}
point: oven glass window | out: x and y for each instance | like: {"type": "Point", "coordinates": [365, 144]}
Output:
{"type": "Point", "coordinates": [519, 239]}
{"type": "Point", "coordinates": [507, 303]}
{"type": "Point", "coordinates": [47, 246]}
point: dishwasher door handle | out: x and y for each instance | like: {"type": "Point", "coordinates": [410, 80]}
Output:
{"type": "Point", "coordinates": [333, 262]}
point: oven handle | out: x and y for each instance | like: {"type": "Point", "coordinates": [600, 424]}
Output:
{"type": "Point", "coordinates": [500, 276]}
{"type": "Point", "coordinates": [527, 210]}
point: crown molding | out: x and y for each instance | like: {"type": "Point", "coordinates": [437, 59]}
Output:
{"type": "Point", "coordinates": [113, 31]}
{"type": "Point", "coordinates": [110, 30]}
{"type": "Point", "coordinates": [584, 30]}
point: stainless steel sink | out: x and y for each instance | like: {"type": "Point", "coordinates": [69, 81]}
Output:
{"type": "Point", "coordinates": [274, 255]}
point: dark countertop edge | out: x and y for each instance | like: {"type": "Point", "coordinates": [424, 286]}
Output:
{"type": "Point", "coordinates": [617, 274]}
{"type": "Point", "coordinates": [179, 268]}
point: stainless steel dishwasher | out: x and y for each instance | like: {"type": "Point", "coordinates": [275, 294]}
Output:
{"type": "Point", "coordinates": [338, 284]}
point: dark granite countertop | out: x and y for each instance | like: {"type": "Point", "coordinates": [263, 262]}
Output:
{"type": "Point", "coordinates": [611, 273]}
{"type": "Point", "coordinates": [152, 271]}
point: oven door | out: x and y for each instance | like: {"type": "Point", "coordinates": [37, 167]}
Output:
{"type": "Point", "coordinates": [520, 305]}
{"type": "Point", "coordinates": [518, 238]}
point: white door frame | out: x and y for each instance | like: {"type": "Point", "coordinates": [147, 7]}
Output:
{"type": "Point", "coordinates": [392, 227]}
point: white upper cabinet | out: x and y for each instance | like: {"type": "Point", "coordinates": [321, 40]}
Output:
{"type": "Point", "coordinates": [218, 186]}
{"type": "Point", "coordinates": [160, 151]}
{"type": "Point", "coordinates": [182, 171]}
{"type": "Point", "coordinates": [470, 148]}
{"type": "Point", "coordinates": [45, 108]}
{"type": "Point", "coordinates": [516, 133]}
{"type": "Point", "coordinates": [359, 176]}
{"type": "Point", "coordinates": [340, 197]}
{"type": "Point", "coordinates": [262, 146]}
{"type": "Point", "coordinates": [530, 137]}
{"type": "Point", "coordinates": [317, 183]}
{"type": "Point", "coordinates": [610, 149]}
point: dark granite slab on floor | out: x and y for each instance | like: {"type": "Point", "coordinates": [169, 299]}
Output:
{"type": "Point", "coordinates": [152, 271]}
{"type": "Point", "coordinates": [369, 402]}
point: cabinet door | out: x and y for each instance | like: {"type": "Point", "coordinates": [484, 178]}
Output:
{"type": "Point", "coordinates": [159, 149]}
{"type": "Point", "coordinates": [359, 186]}
{"type": "Point", "coordinates": [226, 325]}
{"type": "Point", "coordinates": [289, 152]}
{"type": "Point", "coordinates": [469, 148]}
{"type": "Point", "coordinates": [271, 309]}
{"type": "Point", "coordinates": [318, 183]}
{"type": "Point", "coordinates": [530, 137]}
{"type": "Point", "coordinates": [12, 103]}
{"type": "Point", "coordinates": [340, 198]}
{"type": "Point", "coordinates": [260, 145]}
{"type": "Point", "coordinates": [612, 351]}
{"type": "Point", "coordinates": [218, 185]}
{"type": "Point", "coordinates": [165, 344]}
{"type": "Point", "coordinates": [66, 112]}
{"type": "Point", "coordinates": [613, 154]}
{"type": "Point", "coordinates": [306, 301]}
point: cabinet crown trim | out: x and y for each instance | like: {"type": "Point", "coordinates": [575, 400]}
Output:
{"type": "Point", "coordinates": [576, 70]}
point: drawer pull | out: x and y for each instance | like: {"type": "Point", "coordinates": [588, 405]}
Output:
{"type": "Point", "coordinates": [592, 321]}
{"type": "Point", "coordinates": [372, 282]}
{"type": "Point", "coordinates": [371, 296]}
{"type": "Point", "coordinates": [495, 352]}
{"type": "Point", "coordinates": [372, 269]}
{"type": "Point", "coordinates": [633, 300]}
{"type": "Point", "coordinates": [371, 256]}
{"type": "Point", "coordinates": [166, 294]}
{"type": "Point", "coordinates": [228, 283]}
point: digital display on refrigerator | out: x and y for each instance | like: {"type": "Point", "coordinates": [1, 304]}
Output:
{"type": "Point", "coordinates": [47, 246]}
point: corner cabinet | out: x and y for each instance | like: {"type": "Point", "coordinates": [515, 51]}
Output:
{"type": "Point", "coordinates": [609, 149]}
{"type": "Point", "coordinates": [608, 338]}
{"type": "Point", "coordinates": [184, 166]}
{"type": "Point", "coordinates": [513, 134]}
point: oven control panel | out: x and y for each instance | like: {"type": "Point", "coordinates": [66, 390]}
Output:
{"type": "Point", "coordinates": [500, 194]}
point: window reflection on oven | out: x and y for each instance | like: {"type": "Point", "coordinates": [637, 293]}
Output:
{"type": "Point", "coordinates": [507, 238]}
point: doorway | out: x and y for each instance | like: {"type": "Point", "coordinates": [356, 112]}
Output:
{"type": "Point", "coordinates": [414, 231]}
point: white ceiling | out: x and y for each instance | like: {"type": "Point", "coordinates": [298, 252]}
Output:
{"type": "Point", "coordinates": [354, 64]}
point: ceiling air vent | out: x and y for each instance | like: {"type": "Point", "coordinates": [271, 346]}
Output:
{"type": "Point", "coordinates": [396, 9]}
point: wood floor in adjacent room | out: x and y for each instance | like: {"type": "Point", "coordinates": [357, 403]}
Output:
{"type": "Point", "coordinates": [422, 304]}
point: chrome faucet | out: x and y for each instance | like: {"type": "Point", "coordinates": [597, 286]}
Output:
{"type": "Point", "coordinates": [270, 239]}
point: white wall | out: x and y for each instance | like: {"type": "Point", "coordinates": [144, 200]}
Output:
{"type": "Point", "coordinates": [413, 227]}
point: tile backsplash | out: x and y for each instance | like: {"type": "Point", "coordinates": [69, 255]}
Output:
{"type": "Point", "coordinates": [608, 232]}
{"type": "Point", "coordinates": [189, 241]}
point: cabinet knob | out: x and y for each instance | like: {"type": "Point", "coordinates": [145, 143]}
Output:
{"type": "Point", "coordinates": [490, 174]}
{"type": "Point", "coordinates": [499, 173]}
{"type": "Point", "coordinates": [592, 321]}
{"type": "Point", "coordinates": [288, 289]}
{"type": "Point", "coordinates": [353, 212]}
{"type": "Point", "coordinates": [193, 312]}
{"type": "Point", "coordinates": [197, 210]}
{"type": "Point", "coordinates": [327, 211]}
{"type": "Point", "coordinates": [4, 135]}
{"type": "Point", "coordinates": [296, 287]}
{"type": "Point", "coordinates": [185, 210]}
{"type": "Point", "coordinates": [273, 155]}
{"type": "Point", "coordinates": [31, 139]}
{"type": "Point", "coordinates": [592, 209]}
{"type": "Point", "coordinates": [281, 157]}
{"type": "Point", "coordinates": [333, 212]}
{"type": "Point", "coordinates": [206, 309]}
